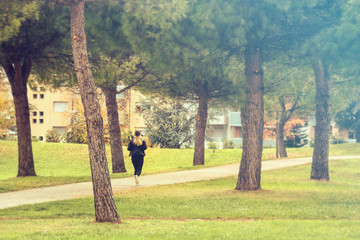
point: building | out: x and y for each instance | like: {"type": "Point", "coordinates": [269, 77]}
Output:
{"type": "Point", "coordinates": [224, 125]}
{"type": "Point", "coordinates": [52, 109]}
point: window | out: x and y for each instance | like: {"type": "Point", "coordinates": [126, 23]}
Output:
{"type": "Point", "coordinates": [41, 120]}
{"type": "Point", "coordinates": [42, 89]}
{"type": "Point", "coordinates": [34, 114]}
{"type": "Point", "coordinates": [41, 138]}
{"type": "Point", "coordinates": [42, 96]}
{"type": "Point", "coordinates": [60, 106]}
{"type": "Point", "coordinates": [138, 106]}
{"type": "Point", "coordinates": [120, 95]}
{"type": "Point", "coordinates": [41, 114]}
{"type": "Point", "coordinates": [34, 96]}
{"type": "Point", "coordinates": [34, 120]}
{"type": "Point", "coordinates": [61, 130]}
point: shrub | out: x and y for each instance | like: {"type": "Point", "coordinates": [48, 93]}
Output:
{"type": "Point", "coordinates": [228, 144]}
{"type": "Point", "coordinates": [337, 140]}
{"type": "Point", "coordinates": [52, 136]}
{"type": "Point", "coordinates": [126, 135]}
{"type": "Point", "coordinates": [213, 145]}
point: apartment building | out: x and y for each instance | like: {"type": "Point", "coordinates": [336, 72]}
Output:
{"type": "Point", "coordinates": [52, 109]}
{"type": "Point", "coordinates": [223, 125]}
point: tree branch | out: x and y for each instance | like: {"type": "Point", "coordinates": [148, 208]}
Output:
{"type": "Point", "coordinates": [134, 83]}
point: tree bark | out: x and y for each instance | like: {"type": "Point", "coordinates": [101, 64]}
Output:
{"type": "Point", "coordinates": [117, 154]}
{"type": "Point", "coordinates": [280, 130]}
{"type": "Point", "coordinates": [105, 208]}
{"type": "Point", "coordinates": [280, 139]}
{"type": "Point", "coordinates": [357, 136]}
{"type": "Point", "coordinates": [253, 123]}
{"type": "Point", "coordinates": [18, 76]}
{"type": "Point", "coordinates": [320, 160]}
{"type": "Point", "coordinates": [200, 127]}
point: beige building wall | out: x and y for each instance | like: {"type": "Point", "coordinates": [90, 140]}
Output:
{"type": "Point", "coordinates": [136, 112]}
{"type": "Point", "coordinates": [50, 110]}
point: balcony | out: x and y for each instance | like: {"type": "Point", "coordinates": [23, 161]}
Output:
{"type": "Point", "coordinates": [235, 119]}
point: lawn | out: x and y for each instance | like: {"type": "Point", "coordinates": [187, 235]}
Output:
{"type": "Point", "coordinates": [57, 163]}
{"type": "Point", "coordinates": [289, 206]}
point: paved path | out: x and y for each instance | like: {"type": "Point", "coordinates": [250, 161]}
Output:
{"type": "Point", "coordinates": [79, 190]}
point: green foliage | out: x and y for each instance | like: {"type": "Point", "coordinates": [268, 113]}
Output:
{"type": "Point", "coordinates": [77, 131]}
{"type": "Point", "coordinates": [336, 140]}
{"type": "Point", "coordinates": [126, 135]}
{"type": "Point", "coordinates": [13, 14]}
{"type": "Point", "coordinates": [184, 53]}
{"type": "Point", "coordinates": [43, 39]}
{"type": "Point", "coordinates": [53, 136]}
{"type": "Point", "coordinates": [298, 137]}
{"type": "Point", "coordinates": [212, 145]}
{"type": "Point", "coordinates": [169, 123]}
{"type": "Point", "coordinates": [228, 144]}
{"type": "Point", "coordinates": [7, 109]}
{"type": "Point", "coordinates": [349, 119]}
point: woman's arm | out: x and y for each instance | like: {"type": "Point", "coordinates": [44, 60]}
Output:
{"type": "Point", "coordinates": [144, 145]}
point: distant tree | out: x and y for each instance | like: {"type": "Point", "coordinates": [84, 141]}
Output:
{"type": "Point", "coordinates": [288, 93]}
{"type": "Point", "coordinates": [169, 123]}
{"type": "Point", "coordinates": [77, 130]}
{"type": "Point", "coordinates": [7, 111]}
{"type": "Point", "coordinates": [113, 61]}
{"type": "Point", "coordinates": [175, 43]}
{"type": "Point", "coordinates": [349, 119]}
{"type": "Point", "coordinates": [297, 137]}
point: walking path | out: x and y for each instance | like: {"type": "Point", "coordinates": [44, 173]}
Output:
{"type": "Point", "coordinates": [80, 190]}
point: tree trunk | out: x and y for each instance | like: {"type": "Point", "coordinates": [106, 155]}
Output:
{"type": "Point", "coordinates": [320, 160]}
{"type": "Point", "coordinates": [200, 127]}
{"type": "Point", "coordinates": [253, 123]}
{"type": "Point", "coordinates": [18, 77]}
{"type": "Point", "coordinates": [105, 208]}
{"type": "Point", "coordinates": [117, 155]}
{"type": "Point", "coordinates": [280, 137]}
{"type": "Point", "coordinates": [357, 136]}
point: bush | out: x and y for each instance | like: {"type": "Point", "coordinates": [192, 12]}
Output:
{"type": "Point", "coordinates": [213, 145]}
{"type": "Point", "coordinates": [126, 135]}
{"type": "Point", "coordinates": [76, 135]}
{"type": "Point", "coordinates": [52, 136]}
{"type": "Point", "coordinates": [228, 144]}
{"type": "Point", "coordinates": [336, 140]}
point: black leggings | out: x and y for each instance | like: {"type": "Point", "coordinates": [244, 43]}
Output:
{"type": "Point", "coordinates": [137, 161]}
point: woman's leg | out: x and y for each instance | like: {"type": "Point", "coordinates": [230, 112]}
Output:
{"type": "Point", "coordinates": [134, 162]}
{"type": "Point", "coordinates": [140, 163]}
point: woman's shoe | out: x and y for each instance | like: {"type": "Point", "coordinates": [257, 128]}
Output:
{"type": "Point", "coordinates": [137, 179]}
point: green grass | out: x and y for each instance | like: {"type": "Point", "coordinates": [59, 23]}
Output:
{"type": "Point", "coordinates": [57, 163]}
{"type": "Point", "coordinates": [290, 206]}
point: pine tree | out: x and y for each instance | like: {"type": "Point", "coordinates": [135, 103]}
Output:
{"type": "Point", "coordinates": [32, 35]}
{"type": "Point", "coordinates": [184, 53]}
